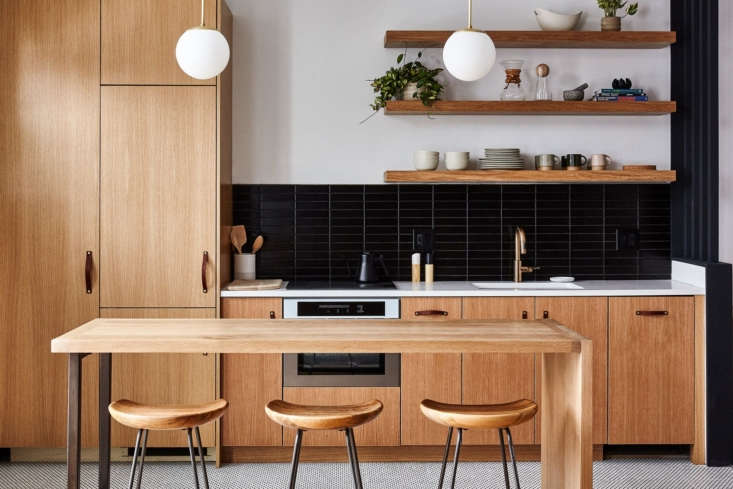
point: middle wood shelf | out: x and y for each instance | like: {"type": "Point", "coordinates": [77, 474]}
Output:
{"type": "Point", "coordinates": [528, 107]}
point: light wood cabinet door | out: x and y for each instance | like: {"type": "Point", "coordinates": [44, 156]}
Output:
{"type": "Point", "coordinates": [49, 174]}
{"type": "Point", "coordinates": [651, 375]}
{"type": "Point", "coordinates": [589, 317]}
{"type": "Point", "coordinates": [139, 40]}
{"type": "Point", "coordinates": [490, 378]}
{"type": "Point", "coordinates": [249, 382]}
{"type": "Point", "coordinates": [382, 431]}
{"type": "Point", "coordinates": [428, 375]}
{"type": "Point", "coordinates": [163, 379]}
{"type": "Point", "coordinates": [158, 196]}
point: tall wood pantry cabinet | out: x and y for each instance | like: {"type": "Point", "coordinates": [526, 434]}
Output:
{"type": "Point", "coordinates": [116, 201]}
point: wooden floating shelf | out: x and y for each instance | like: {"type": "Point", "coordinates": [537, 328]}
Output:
{"type": "Point", "coordinates": [528, 107]}
{"type": "Point", "coordinates": [541, 39]}
{"type": "Point", "coordinates": [531, 176]}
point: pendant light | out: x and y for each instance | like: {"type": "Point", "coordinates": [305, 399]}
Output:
{"type": "Point", "coordinates": [202, 52]}
{"type": "Point", "coordinates": [469, 54]}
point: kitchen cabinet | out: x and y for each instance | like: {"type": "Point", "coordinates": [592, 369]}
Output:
{"type": "Point", "coordinates": [162, 379]}
{"type": "Point", "coordinates": [382, 431]}
{"type": "Point", "coordinates": [587, 316]}
{"type": "Point", "coordinates": [158, 200]}
{"type": "Point", "coordinates": [49, 87]}
{"type": "Point", "coordinates": [651, 365]}
{"type": "Point", "coordinates": [428, 375]}
{"type": "Point", "coordinates": [249, 382]}
{"type": "Point", "coordinates": [490, 378]}
{"type": "Point", "coordinates": [139, 40]}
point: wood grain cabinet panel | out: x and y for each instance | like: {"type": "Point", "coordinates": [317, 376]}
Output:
{"type": "Point", "coordinates": [490, 378]}
{"type": "Point", "coordinates": [651, 380]}
{"type": "Point", "coordinates": [429, 375]}
{"type": "Point", "coordinates": [139, 40]}
{"type": "Point", "coordinates": [162, 379]}
{"type": "Point", "coordinates": [158, 196]}
{"type": "Point", "coordinates": [589, 317]}
{"type": "Point", "coordinates": [249, 382]}
{"type": "Point", "coordinates": [49, 174]}
{"type": "Point", "coordinates": [382, 431]}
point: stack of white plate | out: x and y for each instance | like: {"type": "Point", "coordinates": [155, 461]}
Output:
{"type": "Point", "coordinates": [501, 159]}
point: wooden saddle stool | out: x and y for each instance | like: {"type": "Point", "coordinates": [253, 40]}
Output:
{"type": "Point", "coordinates": [307, 418]}
{"type": "Point", "coordinates": [145, 417]}
{"type": "Point", "coordinates": [480, 417]}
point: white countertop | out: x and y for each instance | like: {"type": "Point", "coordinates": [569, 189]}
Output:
{"type": "Point", "coordinates": [465, 289]}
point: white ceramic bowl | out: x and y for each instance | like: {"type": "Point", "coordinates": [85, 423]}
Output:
{"type": "Point", "coordinates": [553, 21]}
{"type": "Point", "coordinates": [456, 160]}
{"type": "Point", "coordinates": [426, 160]}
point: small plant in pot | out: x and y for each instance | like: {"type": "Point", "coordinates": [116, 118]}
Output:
{"type": "Point", "coordinates": [406, 81]}
{"type": "Point", "coordinates": [611, 21]}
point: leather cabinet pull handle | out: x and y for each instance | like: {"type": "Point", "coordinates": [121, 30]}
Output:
{"type": "Point", "coordinates": [204, 264]}
{"type": "Point", "coordinates": [432, 312]}
{"type": "Point", "coordinates": [88, 268]}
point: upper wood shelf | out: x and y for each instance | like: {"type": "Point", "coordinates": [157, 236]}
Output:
{"type": "Point", "coordinates": [531, 176]}
{"type": "Point", "coordinates": [541, 39]}
{"type": "Point", "coordinates": [528, 107]}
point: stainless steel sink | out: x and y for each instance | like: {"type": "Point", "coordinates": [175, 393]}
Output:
{"type": "Point", "coordinates": [526, 285]}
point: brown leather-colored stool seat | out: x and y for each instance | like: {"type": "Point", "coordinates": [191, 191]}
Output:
{"type": "Point", "coordinates": [145, 417]}
{"type": "Point", "coordinates": [322, 417]}
{"type": "Point", "coordinates": [308, 418]}
{"type": "Point", "coordinates": [482, 416]}
{"type": "Point", "coordinates": [498, 417]}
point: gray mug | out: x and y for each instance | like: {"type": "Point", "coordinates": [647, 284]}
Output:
{"type": "Point", "coordinates": [546, 161]}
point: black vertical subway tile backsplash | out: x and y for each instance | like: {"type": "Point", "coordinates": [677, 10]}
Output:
{"type": "Point", "coordinates": [317, 231]}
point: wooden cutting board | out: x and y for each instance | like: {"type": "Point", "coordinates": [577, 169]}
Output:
{"type": "Point", "coordinates": [255, 284]}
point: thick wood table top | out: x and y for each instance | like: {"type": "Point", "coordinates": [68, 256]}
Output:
{"type": "Point", "coordinates": [317, 336]}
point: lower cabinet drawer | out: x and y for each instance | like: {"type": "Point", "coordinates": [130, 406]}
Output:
{"type": "Point", "coordinates": [382, 431]}
{"type": "Point", "coordinates": [651, 370]}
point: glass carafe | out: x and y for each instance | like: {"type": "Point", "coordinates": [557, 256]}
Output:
{"type": "Point", "coordinates": [513, 87]}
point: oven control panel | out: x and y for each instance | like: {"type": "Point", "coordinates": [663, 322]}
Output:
{"type": "Point", "coordinates": [342, 308]}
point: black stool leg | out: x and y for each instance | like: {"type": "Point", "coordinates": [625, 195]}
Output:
{"type": "Point", "coordinates": [142, 459]}
{"type": "Point", "coordinates": [514, 460]}
{"type": "Point", "coordinates": [193, 457]}
{"type": "Point", "coordinates": [445, 457]}
{"type": "Point", "coordinates": [353, 458]}
{"type": "Point", "coordinates": [503, 458]}
{"type": "Point", "coordinates": [134, 458]}
{"type": "Point", "coordinates": [296, 458]}
{"type": "Point", "coordinates": [455, 457]}
{"type": "Point", "coordinates": [201, 456]}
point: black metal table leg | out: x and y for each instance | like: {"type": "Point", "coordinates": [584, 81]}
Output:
{"type": "Point", "coordinates": [105, 397]}
{"type": "Point", "coordinates": [73, 427]}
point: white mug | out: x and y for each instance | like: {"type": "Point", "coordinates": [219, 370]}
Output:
{"type": "Point", "coordinates": [456, 160]}
{"type": "Point", "coordinates": [600, 161]}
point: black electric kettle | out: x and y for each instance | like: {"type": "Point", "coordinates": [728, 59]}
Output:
{"type": "Point", "coordinates": [368, 268]}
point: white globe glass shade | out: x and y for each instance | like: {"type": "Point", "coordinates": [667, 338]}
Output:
{"type": "Point", "coordinates": [469, 55]}
{"type": "Point", "coordinates": [202, 53]}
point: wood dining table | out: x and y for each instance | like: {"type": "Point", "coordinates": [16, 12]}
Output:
{"type": "Point", "coordinates": [566, 358]}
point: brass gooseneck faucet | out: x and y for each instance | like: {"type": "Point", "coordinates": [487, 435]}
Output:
{"type": "Point", "coordinates": [520, 248]}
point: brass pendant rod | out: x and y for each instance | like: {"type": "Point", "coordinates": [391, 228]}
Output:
{"type": "Point", "coordinates": [202, 12]}
{"type": "Point", "coordinates": [470, 13]}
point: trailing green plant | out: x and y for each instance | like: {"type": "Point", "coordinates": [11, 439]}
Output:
{"type": "Point", "coordinates": [610, 7]}
{"type": "Point", "coordinates": [394, 81]}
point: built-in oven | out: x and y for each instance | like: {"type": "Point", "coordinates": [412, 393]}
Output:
{"type": "Point", "coordinates": [341, 369]}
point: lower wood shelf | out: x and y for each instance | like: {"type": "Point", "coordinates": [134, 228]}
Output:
{"type": "Point", "coordinates": [531, 176]}
{"type": "Point", "coordinates": [528, 107]}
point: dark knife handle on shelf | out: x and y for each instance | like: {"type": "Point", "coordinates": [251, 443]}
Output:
{"type": "Point", "coordinates": [204, 266]}
{"type": "Point", "coordinates": [431, 312]}
{"type": "Point", "coordinates": [652, 313]}
{"type": "Point", "coordinates": [88, 267]}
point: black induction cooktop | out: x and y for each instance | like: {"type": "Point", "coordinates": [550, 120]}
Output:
{"type": "Point", "coordinates": [338, 285]}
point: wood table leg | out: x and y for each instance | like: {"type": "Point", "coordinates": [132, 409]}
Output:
{"type": "Point", "coordinates": [105, 397]}
{"type": "Point", "coordinates": [73, 427]}
{"type": "Point", "coordinates": [567, 419]}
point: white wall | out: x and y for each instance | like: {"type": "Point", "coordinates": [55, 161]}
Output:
{"type": "Point", "coordinates": [726, 128]}
{"type": "Point", "coordinates": [300, 90]}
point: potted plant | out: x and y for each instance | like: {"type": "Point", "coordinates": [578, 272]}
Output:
{"type": "Point", "coordinates": [407, 81]}
{"type": "Point", "coordinates": [610, 21]}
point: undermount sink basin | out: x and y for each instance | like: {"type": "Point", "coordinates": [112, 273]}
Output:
{"type": "Point", "coordinates": [526, 285]}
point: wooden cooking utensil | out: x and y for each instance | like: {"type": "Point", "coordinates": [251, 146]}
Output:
{"type": "Point", "coordinates": [640, 167]}
{"type": "Point", "coordinates": [239, 237]}
{"type": "Point", "coordinates": [257, 245]}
